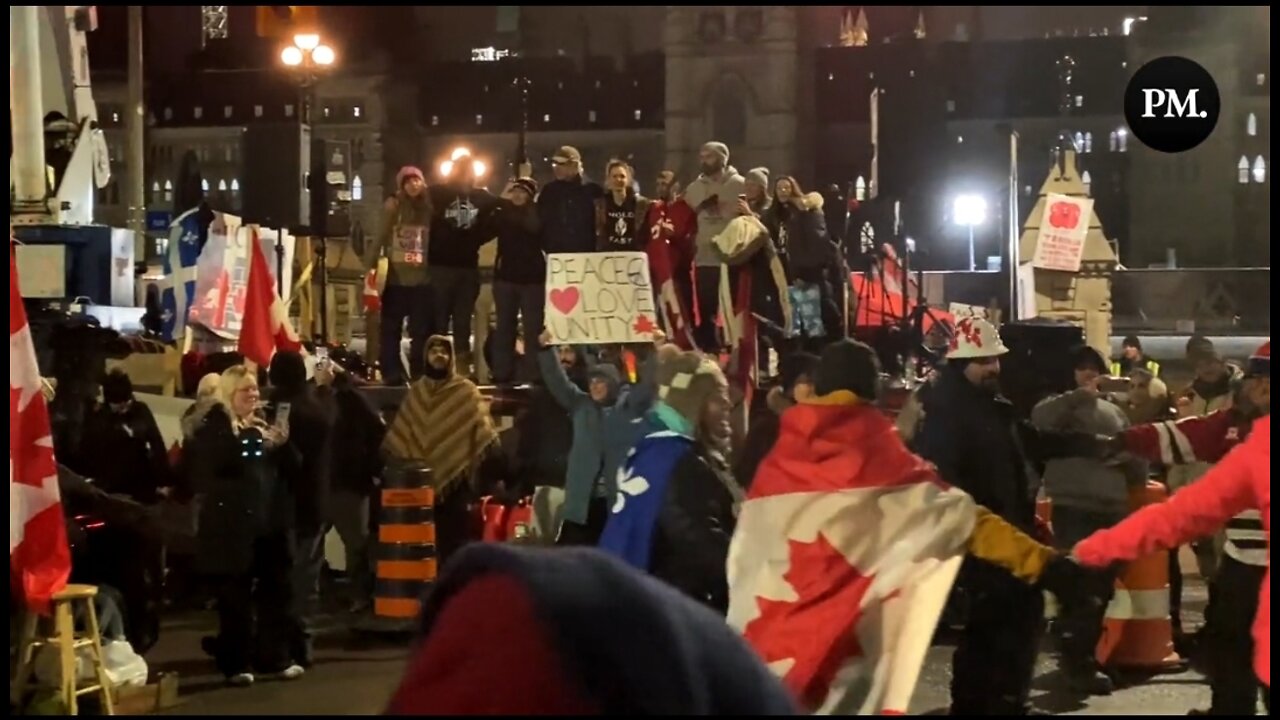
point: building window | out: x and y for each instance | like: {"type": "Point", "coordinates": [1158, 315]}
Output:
{"type": "Point", "coordinates": [327, 111]}
{"type": "Point", "coordinates": [204, 184]}
{"type": "Point", "coordinates": [226, 111]}
{"type": "Point", "coordinates": [1087, 179]}
{"type": "Point", "coordinates": [831, 77]}
{"type": "Point", "coordinates": [257, 111]}
{"type": "Point", "coordinates": [546, 118]}
{"type": "Point", "coordinates": [1079, 101]}
{"type": "Point", "coordinates": [197, 112]}
{"type": "Point", "coordinates": [1242, 170]}
{"type": "Point", "coordinates": [1122, 140]}
{"type": "Point", "coordinates": [959, 139]}
{"type": "Point", "coordinates": [591, 116]}
{"type": "Point", "coordinates": [155, 190]}
{"type": "Point", "coordinates": [356, 111]}
{"type": "Point", "coordinates": [1088, 142]}
{"type": "Point", "coordinates": [168, 113]}
{"type": "Point", "coordinates": [1251, 125]}
{"type": "Point", "coordinates": [1079, 138]}
{"type": "Point", "coordinates": [1114, 146]}
{"type": "Point", "coordinates": [1262, 79]}
{"type": "Point", "coordinates": [638, 114]}
{"type": "Point", "coordinates": [222, 185]}
{"type": "Point", "coordinates": [1259, 170]}
{"type": "Point", "coordinates": [115, 117]}
{"type": "Point", "coordinates": [357, 188]}
{"type": "Point", "coordinates": [951, 106]}
{"type": "Point", "coordinates": [235, 185]}
{"type": "Point", "coordinates": [288, 110]}
{"type": "Point", "coordinates": [860, 189]}
{"type": "Point", "coordinates": [435, 120]}
{"type": "Point", "coordinates": [168, 191]}
{"type": "Point", "coordinates": [479, 119]}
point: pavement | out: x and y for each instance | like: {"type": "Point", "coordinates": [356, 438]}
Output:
{"type": "Point", "coordinates": [355, 675]}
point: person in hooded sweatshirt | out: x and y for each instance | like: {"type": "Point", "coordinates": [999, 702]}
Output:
{"type": "Point", "coordinates": [799, 372]}
{"type": "Point", "coordinates": [519, 276]}
{"type": "Point", "coordinates": [605, 427]}
{"type": "Point", "coordinates": [311, 422]}
{"type": "Point", "coordinates": [567, 206]}
{"type": "Point", "coordinates": [443, 425]}
{"type": "Point", "coordinates": [513, 631]}
{"type": "Point", "coordinates": [714, 197]}
{"type": "Point", "coordinates": [459, 227]}
{"type": "Point", "coordinates": [404, 239]}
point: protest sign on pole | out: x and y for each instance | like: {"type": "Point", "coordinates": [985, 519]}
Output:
{"type": "Point", "coordinates": [600, 298]}
{"type": "Point", "coordinates": [1063, 228]}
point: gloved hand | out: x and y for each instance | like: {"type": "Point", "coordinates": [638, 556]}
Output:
{"type": "Point", "coordinates": [1072, 584]}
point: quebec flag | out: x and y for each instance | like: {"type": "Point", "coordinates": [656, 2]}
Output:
{"type": "Point", "coordinates": [179, 284]}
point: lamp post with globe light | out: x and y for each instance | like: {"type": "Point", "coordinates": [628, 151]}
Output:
{"type": "Point", "coordinates": [970, 211]}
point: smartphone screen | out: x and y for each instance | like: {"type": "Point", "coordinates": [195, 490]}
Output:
{"type": "Point", "coordinates": [282, 415]}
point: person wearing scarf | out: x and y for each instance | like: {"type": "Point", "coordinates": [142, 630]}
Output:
{"type": "Point", "coordinates": [442, 425]}
{"type": "Point", "coordinates": [677, 500]}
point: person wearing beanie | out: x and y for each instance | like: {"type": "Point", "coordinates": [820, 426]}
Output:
{"type": "Point", "coordinates": [1230, 493]}
{"type": "Point", "coordinates": [519, 278]}
{"type": "Point", "coordinates": [799, 371]}
{"type": "Point", "coordinates": [1088, 494]}
{"type": "Point", "coordinates": [758, 200]}
{"type": "Point", "coordinates": [121, 446]}
{"type": "Point", "coordinates": [443, 425]}
{"type": "Point", "coordinates": [714, 197]}
{"type": "Point", "coordinates": [567, 205]}
{"type": "Point", "coordinates": [403, 239]}
{"type": "Point", "coordinates": [1132, 358]}
{"type": "Point", "coordinates": [839, 472]}
{"type": "Point", "coordinates": [676, 503]}
{"type": "Point", "coordinates": [574, 632]}
{"type": "Point", "coordinates": [621, 211]}
{"type": "Point", "coordinates": [605, 427]}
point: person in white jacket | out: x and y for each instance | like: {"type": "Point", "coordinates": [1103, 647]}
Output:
{"type": "Point", "coordinates": [714, 197]}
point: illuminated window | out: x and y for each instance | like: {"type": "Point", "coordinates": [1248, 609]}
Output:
{"type": "Point", "coordinates": [257, 111]}
{"type": "Point", "coordinates": [197, 112]}
{"type": "Point", "coordinates": [235, 185]}
{"type": "Point", "coordinates": [168, 113]}
{"type": "Point", "coordinates": [591, 116]}
{"type": "Point", "coordinates": [168, 191]}
{"type": "Point", "coordinates": [959, 139]}
{"type": "Point", "coordinates": [1115, 141]}
{"type": "Point", "coordinates": [1088, 142]}
{"type": "Point", "coordinates": [867, 237]}
{"type": "Point", "coordinates": [1259, 170]}
{"type": "Point", "coordinates": [204, 185]}
{"type": "Point", "coordinates": [1079, 138]}
{"type": "Point", "coordinates": [479, 119]}
{"type": "Point", "coordinates": [288, 110]}
{"type": "Point", "coordinates": [1251, 125]}
{"type": "Point", "coordinates": [435, 120]}
{"type": "Point", "coordinates": [1122, 137]}
{"type": "Point", "coordinates": [638, 114]}
{"type": "Point", "coordinates": [1079, 101]}
{"type": "Point", "coordinates": [1242, 170]}
{"type": "Point", "coordinates": [357, 188]}
{"type": "Point", "coordinates": [356, 111]}
{"type": "Point", "coordinates": [115, 117]}
{"type": "Point", "coordinates": [222, 185]}
{"type": "Point", "coordinates": [1087, 179]}
{"type": "Point", "coordinates": [226, 111]}
{"type": "Point", "coordinates": [1262, 79]}
{"type": "Point", "coordinates": [951, 106]}
{"type": "Point", "coordinates": [860, 189]}
{"type": "Point", "coordinates": [546, 118]}
{"type": "Point", "coordinates": [831, 76]}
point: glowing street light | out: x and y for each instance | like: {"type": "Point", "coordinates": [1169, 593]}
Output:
{"type": "Point", "coordinates": [459, 156]}
{"type": "Point", "coordinates": [970, 211]}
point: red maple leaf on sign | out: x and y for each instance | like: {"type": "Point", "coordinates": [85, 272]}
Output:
{"type": "Point", "coordinates": [817, 630]}
{"type": "Point", "coordinates": [643, 325]}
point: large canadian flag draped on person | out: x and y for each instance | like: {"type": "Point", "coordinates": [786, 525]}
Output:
{"type": "Point", "coordinates": [39, 557]}
{"type": "Point", "coordinates": [843, 557]}
{"type": "Point", "coordinates": [265, 328]}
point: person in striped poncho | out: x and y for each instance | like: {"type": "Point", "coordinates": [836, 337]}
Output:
{"type": "Point", "coordinates": [442, 425]}
{"type": "Point", "coordinates": [1233, 602]}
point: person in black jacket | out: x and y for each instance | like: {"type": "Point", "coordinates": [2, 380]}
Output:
{"type": "Point", "coordinates": [812, 260]}
{"type": "Point", "coordinates": [799, 372]}
{"type": "Point", "coordinates": [310, 421]}
{"type": "Point", "coordinates": [458, 229]}
{"type": "Point", "coordinates": [122, 446]}
{"type": "Point", "coordinates": [519, 278]}
{"type": "Point", "coordinates": [245, 519]}
{"type": "Point", "coordinates": [567, 206]}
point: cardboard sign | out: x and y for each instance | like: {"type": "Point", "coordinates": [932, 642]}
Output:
{"type": "Point", "coordinates": [1063, 229]}
{"type": "Point", "coordinates": [600, 298]}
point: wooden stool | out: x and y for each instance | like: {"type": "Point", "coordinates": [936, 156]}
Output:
{"type": "Point", "coordinates": [65, 639]}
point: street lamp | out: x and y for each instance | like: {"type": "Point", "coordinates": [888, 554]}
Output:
{"type": "Point", "coordinates": [970, 211]}
{"type": "Point", "coordinates": [462, 155]}
{"type": "Point", "coordinates": [308, 57]}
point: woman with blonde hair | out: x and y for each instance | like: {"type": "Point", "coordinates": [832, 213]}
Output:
{"type": "Point", "coordinates": [242, 541]}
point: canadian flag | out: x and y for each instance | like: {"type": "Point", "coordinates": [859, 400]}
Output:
{"type": "Point", "coordinates": [39, 557]}
{"type": "Point", "coordinates": [265, 327]}
{"type": "Point", "coordinates": [843, 557]}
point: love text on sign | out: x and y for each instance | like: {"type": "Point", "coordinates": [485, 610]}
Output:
{"type": "Point", "coordinates": [600, 298]}
{"type": "Point", "coordinates": [1063, 229]}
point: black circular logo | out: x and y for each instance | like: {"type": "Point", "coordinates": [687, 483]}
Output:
{"type": "Point", "coordinates": [1172, 104]}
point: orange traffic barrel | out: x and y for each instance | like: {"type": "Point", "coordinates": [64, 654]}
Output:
{"type": "Point", "coordinates": [1138, 632]}
{"type": "Point", "coordinates": [406, 565]}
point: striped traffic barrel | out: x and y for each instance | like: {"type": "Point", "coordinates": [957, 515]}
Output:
{"type": "Point", "coordinates": [406, 564]}
{"type": "Point", "coordinates": [1138, 632]}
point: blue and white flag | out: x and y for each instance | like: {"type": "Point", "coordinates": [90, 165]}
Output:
{"type": "Point", "coordinates": [178, 286]}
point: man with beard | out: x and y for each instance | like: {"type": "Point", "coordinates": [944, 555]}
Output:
{"type": "Point", "coordinates": [620, 212]}
{"type": "Point", "coordinates": [442, 425]}
{"type": "Point", "coordinates": [714, 196]}
{"type": "Point", "coordinates": [676, 505]}
{"type": "Point", "coordinates": [971, 434]}
{"type": "Point", "coordinates": [670, 227]}
{"type": "Point", "coordinates": [1245, 560]}
{"type": "Point", "coordinates": [567, 206]}
{"type": "Point", "coordinates": [457, 232]}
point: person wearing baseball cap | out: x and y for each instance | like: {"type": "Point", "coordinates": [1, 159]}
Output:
{"type": "Point", "coordinates": [519, 278]}
{"type": "Point", "coordinates": [567, 205]}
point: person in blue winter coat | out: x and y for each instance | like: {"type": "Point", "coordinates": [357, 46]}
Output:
{"type": "Point", "coordinates": [605, 427]}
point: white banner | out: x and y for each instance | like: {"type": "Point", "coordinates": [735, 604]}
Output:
{"type": "Point", "coordinates": [1063, 229]}
{"type": "Point", "coordinates": [222, 273]}
{"type": "Point", "coordinates": [1027, 306]}
{"type": "Point", "coordinates": [600, 298]}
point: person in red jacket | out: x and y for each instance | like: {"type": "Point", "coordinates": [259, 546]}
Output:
{"type": "Point", "coordinates": [671, 225]}
{"type": "Point", "coordinates": [1236, 492]}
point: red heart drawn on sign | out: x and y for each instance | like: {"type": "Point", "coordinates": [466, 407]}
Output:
{"type": "Point", "coordinates": [1064, 215]}
{"type": "Point", "coordinates": [565, 300]}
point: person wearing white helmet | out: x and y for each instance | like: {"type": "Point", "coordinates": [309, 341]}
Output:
{"type": "Point", "coordinates": [971, 434]}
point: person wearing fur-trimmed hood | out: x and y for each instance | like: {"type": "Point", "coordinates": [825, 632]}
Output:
{"type": "Point", "coordinates": [809, 255]}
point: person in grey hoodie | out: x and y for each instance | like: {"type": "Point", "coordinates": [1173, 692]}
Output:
{"type": "Point", "coordinates": [714, 197]}
{"type": "Point", "coordinates": [1088, 495]}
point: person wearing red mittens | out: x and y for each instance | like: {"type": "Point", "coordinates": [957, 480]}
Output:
{"type": "Point", "coordinates": [1240, 482]}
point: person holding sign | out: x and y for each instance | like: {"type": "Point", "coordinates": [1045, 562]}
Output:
{"type": "Point", "coordinates": [519, 276]}
{"type": "Point", "coordinates": [403, 240]}
{"type": "Point", "coordinates": [621, 212]}
{"type": "Point", "coordinates": [605, 427]}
